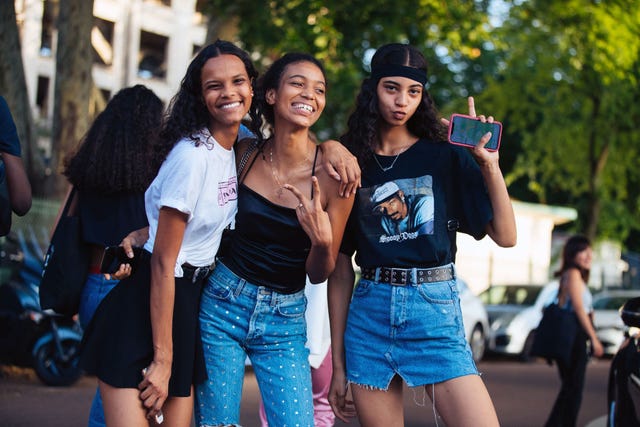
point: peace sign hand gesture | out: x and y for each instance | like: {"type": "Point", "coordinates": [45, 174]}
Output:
{"type": "Point", "coordinates": [312, 217]}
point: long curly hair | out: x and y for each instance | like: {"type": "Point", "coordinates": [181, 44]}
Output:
{"type": "Point", "coordinates": [188, 113]}
{"type": "Point", "coordinates": [271, 79]}
{"type": "Point", "coordinates": [117, 153]}
{"type": "Point", "coordinates": [575, 244]}
{"type": "Point", "coordinates": [362, 127]}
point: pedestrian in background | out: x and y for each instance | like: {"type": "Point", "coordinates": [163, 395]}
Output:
{"type": "Point", "coordinates": [110, 171]}
{"type": "Point", "coordinates": [574, 295]}
{"type": "Point", "coordinates": [403, 320]}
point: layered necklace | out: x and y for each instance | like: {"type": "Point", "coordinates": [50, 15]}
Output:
{"type": "Point", "coordinates": [388, 168]}
{"type": "Point", "coordinates": [274, 173]}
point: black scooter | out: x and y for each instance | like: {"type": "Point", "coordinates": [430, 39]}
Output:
{"type": "Point", "coordinates": [30, 336]}
{"type": "Point", "coordinates": [623, 393]}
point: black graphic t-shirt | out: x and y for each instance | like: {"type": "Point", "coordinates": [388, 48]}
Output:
{"type": "Point", "coordinates": [402, 217]}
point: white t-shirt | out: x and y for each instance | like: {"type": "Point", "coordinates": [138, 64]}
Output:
{"type": "Point", "coordinates": [200, 182]}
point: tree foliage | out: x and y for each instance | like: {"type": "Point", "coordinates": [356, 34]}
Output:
{"type": "Point", "coordinates": [343, 34]}
{"type": "Point", "coordinates": [567, 90]}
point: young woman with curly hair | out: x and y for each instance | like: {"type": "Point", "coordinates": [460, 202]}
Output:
{"type": "Point", "coordinates": [402, 322]}
{"type": "Point", "coordinates": [289, 225]}
{"type": "Point", "coordinates": [143, 343]}
{"type": "Point", "coordinates": [113, 166]}
{"type": "Point", "coordinates": [189, 203]}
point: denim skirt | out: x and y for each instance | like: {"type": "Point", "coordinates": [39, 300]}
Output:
{"type": "Point", "coordinates": [414, 331]}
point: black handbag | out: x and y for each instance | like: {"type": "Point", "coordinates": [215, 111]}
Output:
{"type": "Point", "coordinates": [5, 204]}
{"type": "Point", "coordinates": [66, 264]}
{"type": "Point", "coordinates": [556, 334]}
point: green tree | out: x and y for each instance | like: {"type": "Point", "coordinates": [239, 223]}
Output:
{"type": "Point", "coordinates": [343, 33]}
{"type": "Point", "coordinates": [568, 92]}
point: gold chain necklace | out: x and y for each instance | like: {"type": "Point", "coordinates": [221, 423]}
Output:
{"type": "Point", "coordinates": [274, 174]}
{"type": "Point", "coordinates": [388, 168]}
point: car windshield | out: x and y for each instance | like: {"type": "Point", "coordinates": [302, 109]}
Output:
{"type": "Point", "coordinates": [513, 295]}
{"type": "Point", "coordinates": [609, 303]}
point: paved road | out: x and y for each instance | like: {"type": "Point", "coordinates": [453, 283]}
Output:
{"type": "Point", "coordinates": [522, 393]}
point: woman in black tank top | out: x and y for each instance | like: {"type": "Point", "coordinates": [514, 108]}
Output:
{"type": "Point", "coordinates": [289, 224]}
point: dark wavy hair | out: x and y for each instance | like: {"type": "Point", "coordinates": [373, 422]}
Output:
{"type": "Point", "coordinates": [117, 153]}
{"type": "Point", "coordinates": [188, 113]}
{"type": "Point", "coordinates": [575, 244]}
{"type": "Point", "coordinates": [362, 127]}
{"type": "Point", "coordinates": [272, 77]}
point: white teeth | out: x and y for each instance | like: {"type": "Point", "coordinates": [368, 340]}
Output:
{"type": "Point", "coordinates": [232, 105]}
{"type": "Point", "coordinates": [305, 107]}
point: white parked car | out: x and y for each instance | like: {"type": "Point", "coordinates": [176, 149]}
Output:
{"type": "Point", "coordinates": [606, 319]}
{"type": "Point", "coordinates": [475, 320]}
{"type": "Point", "coordinates": [514, 313]}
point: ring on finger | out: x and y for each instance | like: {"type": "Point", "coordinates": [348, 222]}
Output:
{"type": "Point", "coordinates": [300, 205]}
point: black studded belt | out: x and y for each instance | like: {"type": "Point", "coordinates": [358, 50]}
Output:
{"type": "Point", "coordinates": [408, 276]}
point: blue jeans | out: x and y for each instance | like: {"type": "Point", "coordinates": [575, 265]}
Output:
{"type": "Point", "coordinates": [240, 319]}
{"type": "Point", "coordinates": [95, 289]}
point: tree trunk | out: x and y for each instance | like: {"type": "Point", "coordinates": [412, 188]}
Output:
{"type": "Point", "coordinates": [72, 94]}
{"type": "Point", "coordinates": [13, 87]}
{"type": "Point", "coordinates": [221, 27]}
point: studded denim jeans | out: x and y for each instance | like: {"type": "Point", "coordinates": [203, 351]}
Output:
{"type": "Point", "coordinates": [240, 319]}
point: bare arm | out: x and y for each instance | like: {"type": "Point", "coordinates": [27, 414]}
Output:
{"type": "Point", "coordinates": [18, 184]}
{"type": "Point", "coordinates": [574, 286]}
{"type": "Point", "coordinates": [154, 388]}
{"type": "Point", "coordinates": [502, 228]}
{"type": "Point", "coordinates": [340, 288]}
{"type": "Point", "coordinates": [341, 165]}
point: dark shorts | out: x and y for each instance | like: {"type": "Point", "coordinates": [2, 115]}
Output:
{"type": "Point", "coordinates": [118, 342]}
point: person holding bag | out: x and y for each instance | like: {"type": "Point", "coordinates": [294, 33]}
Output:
{"type": "Point", "coordinates": [109, 173]}
{"type": "Point", "coordinates": [574, 295]}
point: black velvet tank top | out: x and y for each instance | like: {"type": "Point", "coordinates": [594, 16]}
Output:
{"type": "Point", "coordinates": [268, 247]}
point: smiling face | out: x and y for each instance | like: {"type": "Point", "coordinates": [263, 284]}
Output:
{"type": "Point", "coordinates": [226, 91]}
{"type": "Point", "coordinates": [398, 99]}
{"type": "Point", "coordinates": [300, 98]}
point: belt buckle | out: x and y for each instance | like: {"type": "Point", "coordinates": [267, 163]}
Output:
{"type": "Point", "coordinates": [403, 276]}
{"type": "Point", "coordinates": [200, 273]}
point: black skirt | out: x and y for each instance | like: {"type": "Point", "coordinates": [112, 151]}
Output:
{"type": "Point", "coordinates": [118, 342]}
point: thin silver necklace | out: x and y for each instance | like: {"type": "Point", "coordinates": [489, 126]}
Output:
{"type": "Point", "coordinates": [388, 168]}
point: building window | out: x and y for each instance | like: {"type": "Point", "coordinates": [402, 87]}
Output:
{"type": "Point", "coordinates": [102, 41]}
{"type": "Point", "coordinates": [152, 56]}
{"type": "Point", "coordinates": [42, 96]}
{"type": "Point", "coordinates": [49, 18]}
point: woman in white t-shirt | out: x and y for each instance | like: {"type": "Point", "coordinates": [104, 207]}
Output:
{"type": "Point", "coordinates": [133, 345]}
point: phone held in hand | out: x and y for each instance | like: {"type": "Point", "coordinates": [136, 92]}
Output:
{"type": "Point", "coordinates": [467, 131]}
{"type": "Point", "coordinates": [115, 255]}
